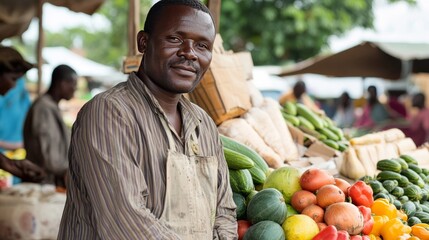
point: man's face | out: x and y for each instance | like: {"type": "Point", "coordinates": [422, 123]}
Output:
{"type": "Point", "coordinates": [68, 87]}
{"type": "Point", "coordinates": [179, 50]}
{"type": "Point", "coordinates": [8, 81]}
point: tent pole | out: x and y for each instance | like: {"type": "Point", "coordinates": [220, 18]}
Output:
{"type": "Point", "coordinates": [40, 44]}
{"type": "Point", "coordinates": [133, 26]}
{"type": "Point", "coordinates": [214, 7]}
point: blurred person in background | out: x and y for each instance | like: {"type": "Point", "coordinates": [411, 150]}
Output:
{"type": "Point", "coordinates": [396, 108]}
{"type": "Point", "coordinates": [299, 95]}
{"type": "Point", "coordinates": [12, 67]}
{"type": "Point", "coordinates": [418, 128]}
{"type": "Point", "coordinates": [374, 113]}
{"type": "Point", "coordinates": [345, 113]}
{"type": "Point", "coordinates": [13, 109]}
{"type": "Point", "coordinates": [46, 137]}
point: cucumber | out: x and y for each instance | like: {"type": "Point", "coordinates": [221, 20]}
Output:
{"type": "Point", "coordinates": [308, 114]}
{"type": "Point", "coordinates": [236, 160]}
{"type": "Point", "coordinates": [342, 147]}
{"type": "Point", "coordinates": [397, 204]}
{"type": "Point", "coordinates": [404, 165]}
{"type": "Point", "coordinates": [382, 195]}
{"type": "Point", "coordinates": [403, 181]}
{"type": "Point", "coordinates": [397, 192]}
{"type": "Point", "coordinates": [389, 185]}
{"type": "Point", "coordinates": [413, 192]}
{"type": "Point", "coordinates": [376, 186]}
{"type": "Point", "coordinates": [389, 165]}
{"type": "Point", "coordinates": [424, 208]}
{"type": "Point", "coordinates": [258, 176]}
{"type": "Point", "coordinates": [245, 150]}
{"type": "Point", "coordinates": [304, 122]}
{"type": "Point", "coordinates": [241, 181]}
{"type": "Point", "coordinates": [403, 199]}
{"type": "Point", "coordinates": [409, 208]}
{"type": "Point", "coordinates": [413, 221]}
{"type": "Point", "coordinates": [408, 159]}
{"type": "Point", "coordinates": [294, 120]}
{"type": "Point", "coordinates": [331, 143]}
{"type": "Point", "coordinates": [412, 176]}
{"type": "Point", "coordinates": [423, 216]}
{"type": "Point", "coordinates": [329, 134]}
{"type": "Point", "coordinates": [415, 168]}
{"type": "Point", "coordinates": [388, 175]}
{"type": "Point", "coordinates": [290, 108]}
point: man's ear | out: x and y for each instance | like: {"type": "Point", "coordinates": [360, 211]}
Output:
{"type": "Point", "coordinates": [142, 38]}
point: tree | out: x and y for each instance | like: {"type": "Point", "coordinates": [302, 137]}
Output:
{"type": "Point", "coordinates": [277, 31]}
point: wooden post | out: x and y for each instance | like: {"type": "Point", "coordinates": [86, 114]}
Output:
{"type": "Point", "coordinates": [40, 44]}
{"type": "Point", "coordinates": [133, 26]}
{"type": "Point", "coordinates": [214, 6]}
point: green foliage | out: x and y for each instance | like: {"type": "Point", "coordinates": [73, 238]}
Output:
{"type": "Point", "coordinates": [277, 31]}
{"type": "Point", "coordinates": [107, 46]}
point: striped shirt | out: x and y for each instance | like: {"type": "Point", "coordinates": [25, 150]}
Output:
{"type": "Point", "coordinates": [117, 173]}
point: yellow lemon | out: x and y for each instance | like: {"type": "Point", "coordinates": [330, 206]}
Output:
{"type": "Point", "coordinates": [300, 227]}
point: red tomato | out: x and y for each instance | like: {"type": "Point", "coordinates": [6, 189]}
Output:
{"type": "Point", "coordinates": [243, 225]}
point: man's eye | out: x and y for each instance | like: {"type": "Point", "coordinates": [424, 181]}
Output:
{"type": "Point", "coordinates": [174, 39]}
{"type": "Point", "coordinates": [202, 45]}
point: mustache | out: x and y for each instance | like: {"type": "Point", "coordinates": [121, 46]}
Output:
{"type": "Point", "coordinates": [187, 62]}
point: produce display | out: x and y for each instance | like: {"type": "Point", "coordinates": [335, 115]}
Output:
{"type": "Point", "coordinates": [289, 203]}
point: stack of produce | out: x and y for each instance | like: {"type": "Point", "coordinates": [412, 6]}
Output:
{"type": "Point", "coordinates": [318, 126]}
{"type": "Point", "coordinates": [404, 184]}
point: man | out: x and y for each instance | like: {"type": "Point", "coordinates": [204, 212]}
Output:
{"type": "Point", "coordinates": [374, 112]}
{"type": "Point", "coordinates": [12, 67]}
{"type": "Point", "coordinates": [46, 137]}
{"type": "Point", "coordinates": [145, 163]}
{"type": "Point", "coordinates": [299, 94]}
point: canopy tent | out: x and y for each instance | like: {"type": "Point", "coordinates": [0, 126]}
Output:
{"type": "Point", "coordinates": [54, 56]}
{"type": "Point", "coordinates": [369, 59]}
{"type": "Point", "coordinates": [16, 15]}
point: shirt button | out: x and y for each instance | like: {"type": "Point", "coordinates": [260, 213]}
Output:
{"type": "Point", "coordinates": [195, 148]}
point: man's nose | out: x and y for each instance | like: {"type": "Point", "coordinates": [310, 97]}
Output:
{"type": "Point", "coordinates": [187, 50]}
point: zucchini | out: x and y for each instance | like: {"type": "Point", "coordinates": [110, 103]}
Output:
{"type": "Point", "coordinates": [413, 192]}
{"type": "Point", "coordinates": [389, 185]}
{"type": "Point", "coordinates": [309, 115]}
{"type": "Point", "coordinates": [388, 175]}
{"type": "Point", "coordinates": [294, 120]}
{"type": "Point", "coordinates": [376, 186]}
{"type": "Point", "coordinates": [425, 171]}
{"type": "Point", "coordinates": [415, 168]}
{"type": "Point", "coordinates": [236, 160]}
{"type": "Point", "coordinates": [241, 181]}
{"type": "Point", "coordinates": [389, 165]}
{"type": "Point", "coordinates": [328, 133]}
{"type": "Point", "coordinates": [408, 159]}
{"type": "Point", "coordinates": [404, 165]}
{"type": "Point", "coordinates": [290, 108]}
{"type": "Point", "coordinates": [245, 150]}
{"type": "Point", "coordinates": [331, 143]}
{"type": "Point", "coordinates": [304, 122]}
{"type": "Point", "coordinates": [337, 131]}
{"type": "Point", "coordinates": [397, 192]}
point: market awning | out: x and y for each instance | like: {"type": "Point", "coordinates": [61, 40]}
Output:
{"type": "Point", "coordinates": [368, 59]}
{"type": "Point", "coordinates": [16, 15]}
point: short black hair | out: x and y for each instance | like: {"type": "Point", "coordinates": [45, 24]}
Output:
{"type": "Point", "coordinates": [61, 73]}
{"type": "Point", "coordinates": [154, 11]}
{"type": "Point", "coordinates": [419, 100]}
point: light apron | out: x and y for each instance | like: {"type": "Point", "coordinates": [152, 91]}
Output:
{"type": "Point", "coordinates": [191, 186]}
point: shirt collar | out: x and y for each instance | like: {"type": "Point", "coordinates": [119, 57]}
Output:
{"type": "Point", "coordinates": [189, 111]}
